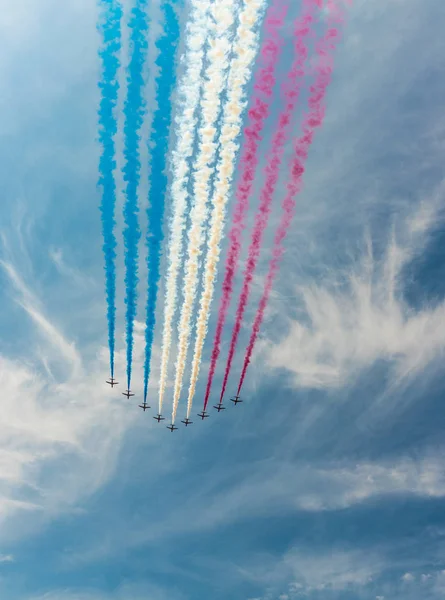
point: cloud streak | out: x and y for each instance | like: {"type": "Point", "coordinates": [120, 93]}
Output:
{"type": "Point", "coordinates": [28, 301]}
{"type": "Point", "coordinates": [59, 442]}
{"type": "Point", "coordinates": [346, 328]}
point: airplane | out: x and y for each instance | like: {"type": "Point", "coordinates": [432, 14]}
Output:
{"type": "Point", "coordinates": [144, 406]}
{"type": "Point", "coordinates": [187, 421]}
{"type": "Point", "coordinates": [127, 393]}
{"type": "Point", "coordinates": [220, 407]}
{"type": "Point", "coordinates": [235, 400]}
{"type": "Point", "coordinates": [112, 382]}
{"type": "Point", "coordinates": [158, 418]}
{"type": "Point", "coordinates": [203, 415]}
{"type": "Point", "coordinates": [171, 427]}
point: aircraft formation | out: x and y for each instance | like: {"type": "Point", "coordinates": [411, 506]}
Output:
{"type": "Point", "coordinates": [144, 406]}
{"type": "Point", "coordinates": [239, 59]}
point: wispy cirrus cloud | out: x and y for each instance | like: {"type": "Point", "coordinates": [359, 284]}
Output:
{"type": "Point", "coordinates": [71, 273]}
{"type": "Point", "coordinates": [358, 315]}
{"type": "Point", "coordinates": [26, 298]}
{"type": "Point", "coordinates": [46, 426]}
{"type": "Point", "coordinates": [274, 489]}
{"type": "Point", "coordinates": [297, 574]}
{"type": "Point", "coordinates": [343, 572]}
{"type": "Point", "coordinates": [59, 435]}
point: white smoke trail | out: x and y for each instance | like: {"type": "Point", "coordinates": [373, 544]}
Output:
{"type": "Point", "coordinates": [189, 93]}
{"type": "Point", "coordinates": [245, 49]}
{"type": "Point", "coordinates": [223, 14]}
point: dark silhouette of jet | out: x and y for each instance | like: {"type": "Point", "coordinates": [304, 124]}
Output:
{"type": "Point", "coordinates": [235, 400]}
{"type": "Point", "coordinates": [144, 406]}
{"type": "Point", "coordinates": [171, 427]}
{"type": "Point", "coordinates": [158, 418]}
{"type": "Point", "coordinates": [203, 415]}
{"type": "Point", "coordinates": [127, 393]}
{"type": "Point", "coordinates": [219, 407]}
{"type": "Point", "coordinates": [112, 382]}
{"type": "Point", "coordinates": [187, 421]}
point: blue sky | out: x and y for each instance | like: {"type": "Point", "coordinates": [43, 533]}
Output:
{"type": "Point", "coordinates": [328, 482]}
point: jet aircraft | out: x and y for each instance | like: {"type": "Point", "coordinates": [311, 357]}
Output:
{"type": "Point", "coordinates": [158, 418]}
{"type": "Point", "coordinates": [235, 400]}
{"type": "Point", "coordinates": [203, 415]}
{"type": "Point", "coordinates": [219, 407]}
{"type": "Point", "coordinates": [127, 393]}
{"type": "Point", "coordinates": [144, 406]}
{"type": "Point", "coordinates": [171, 427]}
{"type": "Point", "coordinates": [112, 382]}
{"type": "Point", "coordinates": [187, 421]}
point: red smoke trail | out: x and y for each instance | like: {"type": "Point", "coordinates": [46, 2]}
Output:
{"type": "Point", "coordinates": [257, 114]}
{"type": "Point", "coordinates": [313, 120]}
{"type": "Point", "coordinates": [292, 88]}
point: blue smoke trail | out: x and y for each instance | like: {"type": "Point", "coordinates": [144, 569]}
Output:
{"type": "Point", "coordinates": [166, 44]}
{"type": "Point", "coordinates": [110, 28]}
{"type": "Point", "coordinates": [134, 110]}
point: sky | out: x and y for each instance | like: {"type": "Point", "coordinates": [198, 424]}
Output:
{"type": "Point", "coordinates": [328, 482]}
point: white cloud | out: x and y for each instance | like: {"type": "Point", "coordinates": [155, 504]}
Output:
{"type": "Point", "coordinates": [45, 426]}
{"type": "Point", "coordinates": [332, 572]}
{"type": "Point", "coordinates": [30, 304]}
{"type": "Point", "coordinates": [279, 488]}
{"type": "Point", "coordinates": [6, 558]}
{"type": "Point", "coordinates": [351, 320]}
{"type": "Point", "coordinates": [59, 438]}
{"type": "Point", "coordinates": [336, 570]}
{"type": "Point", "coordinates": [303, 573]}
{"type": "Point", "coordinates": [335, 486]}
{"type": "Point", "coordinates": [66, 270]}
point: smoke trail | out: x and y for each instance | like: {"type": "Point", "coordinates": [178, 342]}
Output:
{"type": "Point", "coordinates": [292, 89]}
{"type": "Point", "coordinates": [159, 140]}
{"type": "Point", "coordinates": [312, 121]}
{"type": "Point", "coordinates": [134, 109]}
{"type": "Point", "coordinates": [109, 86]}
{"type": "Point", "coordinates": [215, 76]}
{"type": "Point", "coordinates": [189, 92]}
{"type": "Point", "coordinates": [240, 69]}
